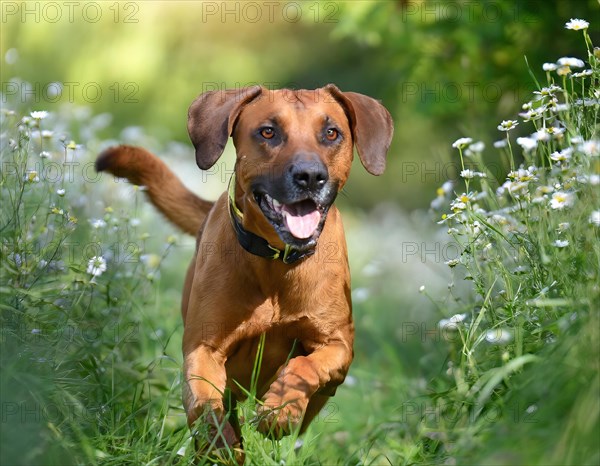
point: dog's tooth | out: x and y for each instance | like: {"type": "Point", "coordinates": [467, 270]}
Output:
{"type": "Point", "coordinates": [276, 204]}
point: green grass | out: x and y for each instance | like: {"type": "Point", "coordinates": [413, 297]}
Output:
{"type": "Point", "coordinates": [496, 362]}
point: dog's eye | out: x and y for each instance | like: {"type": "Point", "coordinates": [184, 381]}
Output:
{"type": "Point", "coordinates": [267, 132]}
{"type": "Point", "coordinates": [331, 134]}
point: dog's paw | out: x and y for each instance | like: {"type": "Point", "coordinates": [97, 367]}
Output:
{"type": "Point", "coordinates": [278, 417]}
{"type": "Point", "coordinates": [220, 445]}
{"type": "Point", "coordinates": [210, 426]}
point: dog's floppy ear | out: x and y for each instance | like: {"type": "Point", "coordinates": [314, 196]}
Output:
{"type": "Point", "coordinates": [211, 118]}
{"type": "Point", "coordinates": [372, 127]}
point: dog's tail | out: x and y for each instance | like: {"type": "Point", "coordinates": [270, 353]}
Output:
{"type": "Point", "coordinates": [182, 207]}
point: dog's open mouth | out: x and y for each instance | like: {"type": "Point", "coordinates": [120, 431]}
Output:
{"type": "Point", "coordinates": [301, 219]}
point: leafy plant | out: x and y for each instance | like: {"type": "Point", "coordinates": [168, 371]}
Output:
{"type": "Point", "coordinates": [529, 246]}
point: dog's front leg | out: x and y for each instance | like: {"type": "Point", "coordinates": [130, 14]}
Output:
{"type": "Point", "coordinates": [287, 398]}
{"type": "Point", "coordinates": [204, 386]}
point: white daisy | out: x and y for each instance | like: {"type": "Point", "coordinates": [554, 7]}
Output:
{"type": "Point", "coordinates": [549, 66]}
{"type": "Point", "coordinates": [523, 175]}
{"type": "Point", "coordinates": [530, 114]}
{"type": "Point", "coordinates": [582, 74]}
{"type": "Point", "coordinates": [563, 155]}
{"type": "Point", "coordinates": [528, 144]}
{"type": "Point", "coordinates": [96, 266]}
{"type": "Point", "coordinates": [548, 91]}
{"type": "Point", "coordinates": [468, 174]}
{"type": "Point", "coordinates": [563, 70]}
{"type": "Point", "coordinates": [560, 200]}
{"type": "Point", "coordinates": [556, 131]}
{"type": "Point", "coordinates": [577, 139]}
{"type": "Point", "coordinates": [590, 148]}
{"type": "Point", "coordinates": [39, 115]}
{"type": "Point", "coordinates": [462, 143]}
{"type": "Point", "coordinates": [32, 177]}
{"type": "Point", "coordinates": [512, 187]}
{"type": "Point", "coordinates": [97, 223]}
{"type": "Point", "coordinates": [577, 24]}
{"type": "Point", "coordinates": [541, 135]}
{"type": "Point", "coordinates": [561, 243]}
{"type": "Point", "coordinates": [507, 125]}
{"type": "Point", "coordinates": [595, 218]}
{"type": "Point", "coordinates": [460, 203]}
{"type": "Point", "coordinates": [452, 322]}
{"type": "Point", "coordinates": [476, 147]}
{"type": "Point", "coordinates": [60, 192]}
{"type": "Point", "coordinates": [571, 62]}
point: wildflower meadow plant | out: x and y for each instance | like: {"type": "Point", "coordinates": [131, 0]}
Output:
{"type": "Point", "coordinates": [529, 245]}
{"type": "Point", "coordinates": [70, 265]}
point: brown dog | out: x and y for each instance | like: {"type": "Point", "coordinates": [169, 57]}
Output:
{"type": "Point", "coordinates": [271, 254]}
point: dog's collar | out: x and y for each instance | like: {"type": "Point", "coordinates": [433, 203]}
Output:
{"type": "Point", "coordinates": [255, 244]}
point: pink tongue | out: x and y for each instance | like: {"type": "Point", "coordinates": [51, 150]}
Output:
{"type": "Point", "coordinates": [302, 226]}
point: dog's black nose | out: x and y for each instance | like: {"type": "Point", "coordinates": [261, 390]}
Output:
{"type": "Point", "coordinates": [308, 172]}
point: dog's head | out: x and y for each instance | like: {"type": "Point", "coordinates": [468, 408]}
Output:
{"type": "Point", "coordinates": [294, 152]}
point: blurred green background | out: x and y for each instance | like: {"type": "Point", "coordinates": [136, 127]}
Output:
{"type": "Point", "coordinates": [443, 69]}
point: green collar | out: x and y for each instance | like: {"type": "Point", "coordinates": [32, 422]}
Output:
{"type": "Point", "coordinates": [255, 244]}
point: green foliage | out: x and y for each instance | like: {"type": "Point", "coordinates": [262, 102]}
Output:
{"type": "Point", "coordinates": [530, 249]}
{"type": "Point", "coordinates": [78, 377]}
{"type": "Point", "coordinates": [446, 68]}
{"type": "Point", "coordinates": [442, 68]}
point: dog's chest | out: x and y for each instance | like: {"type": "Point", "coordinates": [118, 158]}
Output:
{"type": "Point", "coordinates": [281, 342]}
{"type": "Point", "coordinates": [289, 319]}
